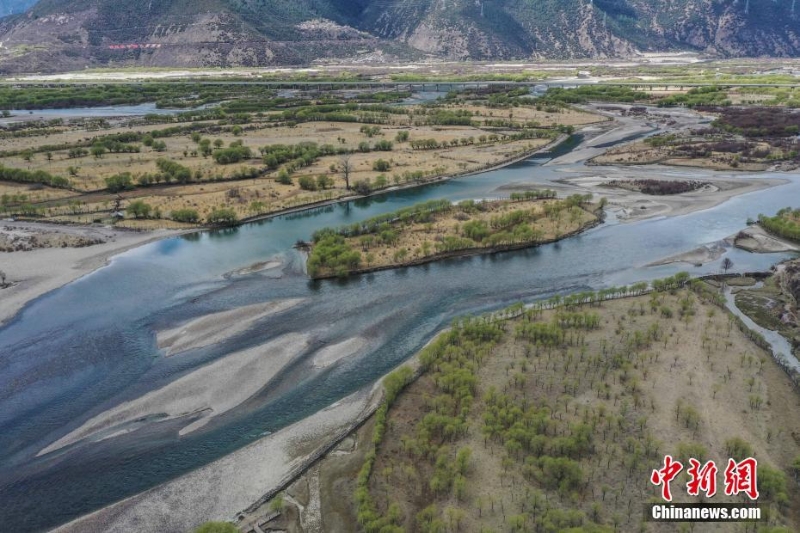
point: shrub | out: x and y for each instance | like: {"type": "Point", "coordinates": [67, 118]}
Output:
{"type": "Point", "coordinates": [185, 215]}
{"type": "Point", "coordinates": [381, 165]}
{"type": "Point", "coordinates": [222, 217]}
{"type": "Point", "coordinates": [120, 182]}
{"type": "Point", "coordinates": [307, 183]}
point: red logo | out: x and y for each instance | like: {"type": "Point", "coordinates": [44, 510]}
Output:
{"type": "Point", "coordinates": [740, 477]}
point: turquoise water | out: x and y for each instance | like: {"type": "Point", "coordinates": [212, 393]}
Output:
{"type": "Point", "coordinates": [91, 345]}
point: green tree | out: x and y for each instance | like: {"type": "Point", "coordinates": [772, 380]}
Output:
{"type": "Point", "coordinates": [307, 183]}
{"type": "Point", "coordinates": [119, 182]}
{"type": "Point", "coordinates": [222, 217]}
{"type": "Point", "coordinates": [185, 215]}
{"type": "Point", "coordinates": [139, 209]}
{"type": "Point", "coordinates": [217, 527]}
{"type": "Point", "coordinates": [381, 165]}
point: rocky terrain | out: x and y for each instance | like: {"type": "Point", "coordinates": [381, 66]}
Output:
{"type": "Point", "coordinates": [67, 34]}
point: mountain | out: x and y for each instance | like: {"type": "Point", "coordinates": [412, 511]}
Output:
{"type": "Point", "coordinates": [10, 7]}
{"type": "Point", "coordinates": [68, 34]}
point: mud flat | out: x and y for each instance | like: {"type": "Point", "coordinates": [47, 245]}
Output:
{"type": "Point", "coordinates": [198, 396]}
{"type": "Point", "coordinates": [217, 327]}
{"type": "Point", "coordinates": [36, 272]}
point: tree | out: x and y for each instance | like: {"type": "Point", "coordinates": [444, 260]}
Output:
{"type": "Point", "coordinates": [727, 264]}
{"type": "Point", "coordinates": [381, 165]}
{"type": "Point", "coordinates": [222, 217]}
{"type": "Point", "coordinates": [2, 279]}
{"type": "Point", "coordinates": [119, 182]}
{"type": "Point", "coordinates": [139, 209]}
{"type": "Point", "coordinates": [307, 183]}
{"type": "Point", "coordinates": [346, 169]}
{"type": "Point", "coordinates": [217, 527]}
{"type": "Point", "coordinates": [185, 215]}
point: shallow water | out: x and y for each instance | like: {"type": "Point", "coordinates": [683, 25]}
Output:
{"type": "Point", "coordinates": [91, 345]}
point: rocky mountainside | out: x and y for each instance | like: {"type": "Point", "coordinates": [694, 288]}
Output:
{"type": "Point", "coordinates": [64, 34]}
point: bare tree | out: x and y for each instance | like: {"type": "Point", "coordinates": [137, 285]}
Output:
{"type": "Point", "coordinates": [727, 264]}
{"type": "Point", "coordinates": [346, 168]}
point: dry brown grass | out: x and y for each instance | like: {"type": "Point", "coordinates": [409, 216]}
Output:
{"type": "Point", "coordinates": [210, 193]}
{"type": "Point", "coordinates": [414, 238]}
{"type": "Point", "coordinates": [639, 153]}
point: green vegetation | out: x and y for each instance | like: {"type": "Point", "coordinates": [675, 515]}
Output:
{"type": "Point", "coordinates": [699, 96]}
{"type": "Point", "coordinates": [523, 418]}
{"type": "Point", "coordinates": [486, 225]}
{"type": "Point", "coordinates": [120, 182]}
{"type": "Point", "coordinates": [786, 223]}
{"type": "Point", "coordinates": [589, 93]}
{"type": "Point", "coordinates": [217, 527]}
{"type": "Point", "coordinates": [235, 153]}
{"type": "Point", "coordinates": [166, 95]}
{"type": "Point", "coordinates": [19, 175]}
{"type": "Point", "coordinates": [139, 209]}
{"type": "Point", "coordinates": [185, 215]}
{"type": "Point", "coordinates": [222, 217]}
{"type": "Point", "coordinates": [297, 156]}
{"type": "Point", "coordinates": [170, 170]}
{"type": "Point", "coordinates": [331, 253]}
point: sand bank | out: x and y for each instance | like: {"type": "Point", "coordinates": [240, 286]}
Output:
{"type": "Point", "coordinates": [36, 272]}
{"type": "Point", "coordinates": [217, 327]}
{"type": "Point", "coordinates": [220, 490]}
{"type": "Point", "coordinates": [335, 352]}
{"type": "Point", "coordinates": [631, 206]}
{"type": "Point", "coordinates": [756, 239]}
{"type": "Point", "coordinates": [200, 395]}
{"type": "Point", "coordinates": [697, 257]}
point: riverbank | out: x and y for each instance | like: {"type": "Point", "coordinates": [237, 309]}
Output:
{"type": "Point", "coordinates": [33, 273]}
{"type": "Point", "coordinates": [318, 494]}
{"type": "Point", "coordinates": [227, 486]}
{"type": "Point", "coordinates": [36, 272]}
{"type": "Point", "coordinates": [632, 206]}
{"type": "Point", "coordinates": [757, 240]}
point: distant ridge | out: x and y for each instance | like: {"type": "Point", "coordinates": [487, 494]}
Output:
{"type": "Point", "coordinates": [68, 34]}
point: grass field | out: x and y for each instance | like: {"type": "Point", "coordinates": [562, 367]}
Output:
{"type": "Point", "coordinates": [249, 186]}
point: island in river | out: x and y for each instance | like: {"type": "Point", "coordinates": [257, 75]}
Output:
{"type": "Point", "coordinates": [438, 229]}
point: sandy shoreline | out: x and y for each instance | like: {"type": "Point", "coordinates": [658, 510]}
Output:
{"type": "Point", "coordinates": [37, 272]}
{"type": "Point", "coordinates": [227, 486]}
{"type": "Point", "coordinates": [631, 206]}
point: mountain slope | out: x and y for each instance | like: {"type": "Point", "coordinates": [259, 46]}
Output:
{"type": "Point", "coordinates": [63, 34]}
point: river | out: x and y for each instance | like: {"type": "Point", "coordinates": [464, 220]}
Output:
{"type": "Point", "coordinates": [90, 345]}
